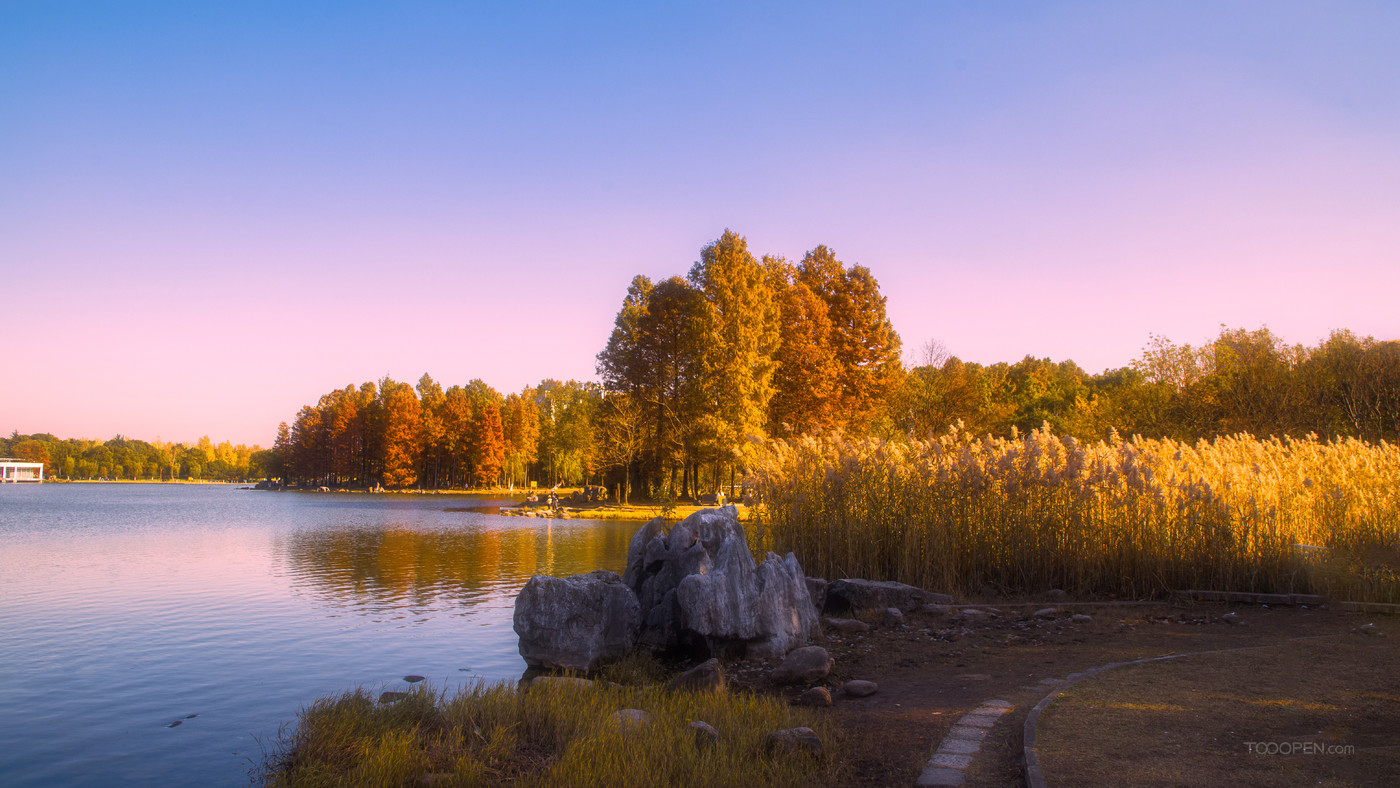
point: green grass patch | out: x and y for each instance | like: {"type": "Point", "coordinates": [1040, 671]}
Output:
{"type": "Point", "coordinates": [494, 734]}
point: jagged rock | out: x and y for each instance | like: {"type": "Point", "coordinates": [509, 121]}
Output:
{"type": "Point", "coordinates": [816, 696]}
{"type": "Point", "coordinates": [893, 617]}
{"type": "Point", "coordinates": [794, 741]}
{"type": "Point", "coordinates": [850, 594]}
{"type": "Point", "coordinates": [816, 590]}
{"type": "Point", "coordinates": [708, 676]}
{"type": "Point", "coordinates": [631, 719]}
{"type": "Point", "coordinates": [705, 734]}
{"type": "Point", "coordinates": [575, 623]}
{"type": "Point", "coordinates": [857, 688]}
{"type": "Point", "coordinates": [850, 626]}
{"type": "Point", "coordinates": [699, 590]}
{"type": "Point", "coordinates": [806, 665]}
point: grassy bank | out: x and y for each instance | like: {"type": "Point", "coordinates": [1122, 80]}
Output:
{"type": "Point", "coordinates": [1128, 517]}
{"type": "Point", "coordinates": [543, 735]}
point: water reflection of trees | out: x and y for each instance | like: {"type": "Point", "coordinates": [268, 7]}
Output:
{"type": "Point", "coordinates": [398, 564]}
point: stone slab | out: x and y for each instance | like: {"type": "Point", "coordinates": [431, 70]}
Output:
{"type": "Point", "coordinates": [951, 761]}
{"type": "Point", "coordinates": [967, 732]}
{"type": "Point", "coordinates": [979, 720]}
{"type": "Point", "coordinates": [939, 775]}
{"type": "Point", "coordinates": [959, 746]}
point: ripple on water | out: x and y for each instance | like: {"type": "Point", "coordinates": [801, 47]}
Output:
{"type": "Point", "coordinates": [151, 632]}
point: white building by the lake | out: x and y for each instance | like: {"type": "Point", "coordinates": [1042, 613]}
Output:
{"type": "Point", "coordinates": [12, 470]}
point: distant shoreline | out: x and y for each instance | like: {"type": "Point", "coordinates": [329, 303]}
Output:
{"type": "Point", "coordinates": [595, 511]}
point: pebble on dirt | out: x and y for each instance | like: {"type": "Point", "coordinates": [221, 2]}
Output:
{"type": "Point", "coordinates": [857, 688]}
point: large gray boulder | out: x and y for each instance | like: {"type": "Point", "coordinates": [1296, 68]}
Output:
{"type": "Point", "coordinates": [852, 595]}
{"type": "Point", "coordinates": [699, 590]}
{"type": "Point", "coordinates": [576, 623]}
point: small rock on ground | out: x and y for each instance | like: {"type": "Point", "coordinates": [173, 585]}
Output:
{"type": "Point", "coordinates": [1081, 618]}
{"type": "Point", "coordinates": [390, 697]}
{"type": "Point", "coordinates": [806, 665]}
{"type": "Point", "coordinates": [816, 696]}
{"type": "Point", "coordinates": [1046, 612]}
{"type": "Point", "coordinates": [705, 734]}
{"type": "Point", "coordinates": [857, 688]}
{"type": "Point", "coordinates": [795, 741]}
{"type": "Point", "coordinates": [631, 719]}
{"type": "Point", "coordinates": [708, 676]}
{"type": "Point", "coordinates": [850, 626]}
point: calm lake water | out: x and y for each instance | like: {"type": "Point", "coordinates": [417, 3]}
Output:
{"type": "Point", "coordinates": [126, 608]}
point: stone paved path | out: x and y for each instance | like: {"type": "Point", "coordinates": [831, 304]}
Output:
{"type": "Point", "coordinates": [955, 752]}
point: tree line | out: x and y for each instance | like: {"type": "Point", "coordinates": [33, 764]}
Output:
{"type": "Point", "coordinates": [1242, 381]}
{"type": "Point", "coordinates": [123, 458]}
{"type": "Point", "coordinates": [395, 435]}
{"type": "Point", "coordinates": [742, 348]}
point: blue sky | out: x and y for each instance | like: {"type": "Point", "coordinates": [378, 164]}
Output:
{"type": "Point", "coordinates": [212, 213]}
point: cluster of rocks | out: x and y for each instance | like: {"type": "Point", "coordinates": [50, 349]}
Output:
{"type": "Point", "coordinates": [694, 591]}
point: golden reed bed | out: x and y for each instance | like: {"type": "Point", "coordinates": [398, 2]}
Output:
{"type": "Point", "coordinates": [1124, 517]}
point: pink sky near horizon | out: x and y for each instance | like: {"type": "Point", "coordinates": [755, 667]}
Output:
{"type": "Point", "coordinates": [200, 246]}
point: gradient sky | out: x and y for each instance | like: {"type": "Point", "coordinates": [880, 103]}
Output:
{"type": "Point", "coordinates": [213, 213]}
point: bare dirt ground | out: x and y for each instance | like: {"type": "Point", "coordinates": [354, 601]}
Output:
{"type": "Point", "coordinates": [1169, 730]}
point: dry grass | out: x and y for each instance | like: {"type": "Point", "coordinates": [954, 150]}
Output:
{"type": "Point", "coordinates": [1126, 517]}
{"type": "Point", "coordinates": [543, 735]}
{"type": "Point", "coordinates": [1311, 712]}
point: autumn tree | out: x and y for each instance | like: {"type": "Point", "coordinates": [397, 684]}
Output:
{"type": "Point", "coordinates": [656, 354]}
{"type": "Point", "coordinates": [806, 376]}
{"type": "Point", "coordinates": [621, 435]}
{"type": "Point", "coordinates": [457, 420]}
{"type": "Point", "coordinates": [861, 339]}
{"type": "Point", "coordinates": [740, 323]}
{"type": "Point", "coordinates": [522, 432]}
{"type": "Point", "coordinates": [402, 432]}
{"type": "Point", "coordinates": [488, 446]}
